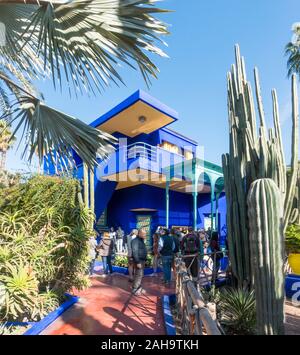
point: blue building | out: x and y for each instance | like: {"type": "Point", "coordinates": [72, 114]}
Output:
{"type": "Point", "coordinates": [155, 176]}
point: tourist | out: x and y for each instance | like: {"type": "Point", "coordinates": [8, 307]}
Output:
{"type": "Point", "coordinates": [92, 254]}
{"type": "Point", "coordinates": [190, 247]}
{"type": "Point", "coordinates": [176, 234]}
{"type": "Point", "coordinates": [166, 247]}
{"type": "Point", "coordinates": [125, 248]}
{"type": "Point", "coordinates": [119, 237]}
{"type": "Point", "coordinates": [106, 250]}
{"type": "Point", "coordinates": [130, 238]}
{"type": "Point", "coordinates": [112, 234]}
{"type": "Point", "coordinates": [216, 256]}
{"type": "Point", "coordinates": [99, 237]}
{"type": "Point", "coordinates": [139, 254]}
{"type": "Point", "coordinates": [155, 253]}
{"type": "Point", "coordinates": [180, 234]}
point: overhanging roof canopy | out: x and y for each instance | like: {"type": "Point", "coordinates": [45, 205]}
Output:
{"type": "Point", "coordinates": [139, 113]}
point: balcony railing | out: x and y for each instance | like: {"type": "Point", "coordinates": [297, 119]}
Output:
{"type": "Point", "coordinates": [147, 151]}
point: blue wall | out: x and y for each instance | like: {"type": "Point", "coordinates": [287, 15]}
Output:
{"type": "Point", "coordinates": [145, 196]}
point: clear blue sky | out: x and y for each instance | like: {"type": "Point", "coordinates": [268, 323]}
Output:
{"type": "Point", "coordinates": [193, 80]}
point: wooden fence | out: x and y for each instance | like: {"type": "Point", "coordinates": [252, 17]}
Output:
{"type": "Point", "coordinates": [193, 314]}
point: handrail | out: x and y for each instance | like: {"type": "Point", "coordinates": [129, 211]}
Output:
{"type": "Point", "coordinates": [148, 149]}
{"type": "Point", "coordinates": [193, 312]}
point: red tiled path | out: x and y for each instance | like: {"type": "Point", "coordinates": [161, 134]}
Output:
{"type": "Point", "coordinates": [108, 308]}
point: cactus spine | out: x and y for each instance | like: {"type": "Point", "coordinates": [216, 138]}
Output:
{"type": "Point", "coordinates": [254, 154]}
{"type": "Point", "coordinates": [267, 250]}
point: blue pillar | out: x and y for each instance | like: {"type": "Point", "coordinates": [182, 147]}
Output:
{"type": "Point", "coordinates": [167, 203]}
{"type": "Point", "coordinates": [212, 198]}
{"type": "Point", "coordinates": [217, 210]}
{"type": "Point", "coordinates": [195, 193]}
{"type": "Point", "coordinates": [195, 210]}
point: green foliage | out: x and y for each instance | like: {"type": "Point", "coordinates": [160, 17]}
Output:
{"type": "Point", "coordinates": [293, 238]}
{"type": "Point", "coordinates": [122, 261]}
{"type": "Point", "coordinates": [236, 309]}
{"type": "Point", "coordinates": [43, 245]}
{"type": "Point", "coordinates": [149, 261]}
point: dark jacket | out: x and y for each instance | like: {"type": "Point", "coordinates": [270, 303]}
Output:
{"type": "Point", "coordinates": [106, 247]}
{"type": "Point", "coordinates": [168, 245]}
{"type": "Point", "coordinates": [139, 250]}
{"type": "Point", "coordinates": [177, 244]}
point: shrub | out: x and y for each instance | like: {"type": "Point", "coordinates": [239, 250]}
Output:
{"type": "Point", "coordinates": [43, 246]}
{"type": "Point", "coordinates": [122, 261]}
{"type": "Point", "coordinates": [293, 238]}
{"type": "Point", "coordinates": [236, 310]}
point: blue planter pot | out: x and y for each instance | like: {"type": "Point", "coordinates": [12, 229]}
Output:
{"type": "Point", "coordinates": [124, 270]}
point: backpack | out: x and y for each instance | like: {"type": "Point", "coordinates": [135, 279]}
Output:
{"type": "Point", "coordinates": [190, 244]}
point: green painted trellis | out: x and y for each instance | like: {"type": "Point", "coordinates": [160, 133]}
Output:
{"type": "Point", "coordinates": [192, 170]}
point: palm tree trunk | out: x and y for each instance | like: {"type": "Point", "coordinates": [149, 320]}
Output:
{"type": "Point", "coordinates": [3, 161]}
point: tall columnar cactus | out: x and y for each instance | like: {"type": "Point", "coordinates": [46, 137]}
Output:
{"type": "Point", "coordinates": [254, 153]}
{"type": "Point", "coordinates": [267, 251]}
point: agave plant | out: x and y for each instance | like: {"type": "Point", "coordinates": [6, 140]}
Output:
{"type": "Point", "coordinates": [21, 291]}
{"type": "Point", "coordinates": [80, 43]}
{"type": "Point", "coordinates": [236, 307]}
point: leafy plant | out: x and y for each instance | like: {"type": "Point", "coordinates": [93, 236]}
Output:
{"type": "Point", "coordinates": [43, 245]}
{"type": "Point", "coordinates": [21, 288]}
{"type": "Point", "coordinates": [122, 261]}
{"type": "Point", "coordinates": [293, 238]}
{"type": "Point", "coordinates": [236, 310]}
{"type": "Point", "coordinates": [149, 261]}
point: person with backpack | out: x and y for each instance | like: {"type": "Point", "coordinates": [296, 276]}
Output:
{"type": "Point", "coordinates": [106, 250]}
{"type": "Point", "coordinates": [190, 245]}
{"type": "Point", "coordinates": [155, 252]}
{"type": "Point", "coordinates": [216, 256]}
{"type": "Point", "coordinates": [177, 240]}
{"type": "Point", "coordinates": [166, 247]}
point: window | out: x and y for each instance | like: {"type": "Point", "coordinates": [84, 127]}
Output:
{"type": "Point", "coordinates": [170, 147]}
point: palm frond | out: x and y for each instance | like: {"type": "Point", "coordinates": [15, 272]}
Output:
{"type": "Point", "coordinates": [53, 134]}
{"type": "Point", "coordinates": [56, 135]}
{"type": "Point", "coordinates": [84, 41]}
